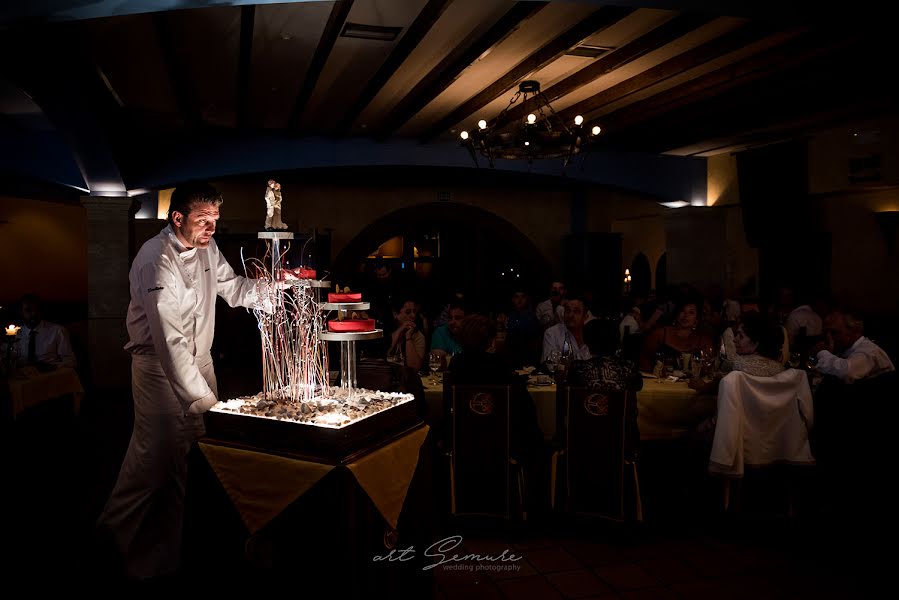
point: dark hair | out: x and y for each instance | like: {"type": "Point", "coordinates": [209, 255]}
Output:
{"type": "Point", "coordinates": [685, 301]}
{"type": "Point", "coordinates": [399, 300]}
{"type": "Point", "coordinates": [475, 333]}
{"type": "Point", "coordinates": [601, 336]}
{"type": "Point", "coordinates": [188, 194]}
{"type": "Point", "coordinates": [764, 331]}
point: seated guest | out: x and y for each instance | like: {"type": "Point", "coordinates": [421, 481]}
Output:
{"type": "Point", "coordinates": [682, 337]}
{"type": "Point", "coordinates": [802, 320]}
{"type": "Point", "coordinates": [567, 339]}
{"type": "Point", "coordinates": [444, 341]}
{"type": "Point", "coordinates": [729, 351]}
{"type": "Point", "coordinates": [40, 342]}
{"type": "Point", "coordinates": [848, 354]}
{"type": "Point", "coordinates": [407, 343]}
{"type": "Point", "coordinates": [551, 311]}
{"type": "Point", "coordinates": [604, 370]}
{"type": "Point", "coordinates": [523, 331]}
{"type": "Point", "coordinates": [758, 342]}
{"type": "Point", "coordinates": [630, 323]}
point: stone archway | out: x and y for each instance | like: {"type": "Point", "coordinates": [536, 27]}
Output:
{"type": "Point", "coordinates": [641, 276]}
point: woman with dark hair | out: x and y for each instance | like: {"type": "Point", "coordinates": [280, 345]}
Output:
{"type": "Point", "coordinates": [406, 343]}
{"type": "Point", "coordinates": [671, 341]}
{"type": "Point", "coordinates": [759, 342]}
{"type": "Point", "coordinates": [604, 370]}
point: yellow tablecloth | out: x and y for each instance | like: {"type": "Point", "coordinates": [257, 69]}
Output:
{"type": "Point", "coordinates": [31, 387]}
{"type": "Point", "coordinates": [666, 409]}
{"type": "Point", "coordinates": [262, 485]}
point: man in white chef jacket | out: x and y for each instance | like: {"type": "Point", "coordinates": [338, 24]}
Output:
{"type": "Point", "coordinates": [174, 281]}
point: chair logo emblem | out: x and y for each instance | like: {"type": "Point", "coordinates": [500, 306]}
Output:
{"type": "Point", "coordinates": [597, 405]}
{"type": "Point", "coordinates": [481, 404]}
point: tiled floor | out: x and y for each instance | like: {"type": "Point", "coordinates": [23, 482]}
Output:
{"type": "Point", "coordinates": [61, 470]}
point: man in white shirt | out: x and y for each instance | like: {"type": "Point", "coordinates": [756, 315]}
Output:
{"type": "Point", "coordinates": [174, 280]}
{"type": "Point", "coordinates": [568, 338]}
{"type": "Point", "coordinates": [849, 355]}
{"type": "Point", "coordinates": [40, 342]}
{"type": "Point", "coordinates": [803, 316]}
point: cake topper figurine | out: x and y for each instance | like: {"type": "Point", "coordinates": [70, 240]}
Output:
{"type": "Point", "coordinates": [273, 206]}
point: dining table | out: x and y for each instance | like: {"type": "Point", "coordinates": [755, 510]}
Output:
{"type": "Point", "coordinates": [667, 408]}
{"type": "Point", "coordinates": [30, 387]}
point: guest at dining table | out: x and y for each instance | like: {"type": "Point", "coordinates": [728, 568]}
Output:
{"type": "Point", "coordinates": [566, 340]}
{"type": "Point", "coordinates": [42, 343]}
{"type": "Point", "coordinates": [604, 369]}
{"type": "Point", "coordinates": [407, 342]}
{"type": "Point", "coordinates": [444, 342]}
{"type": "Point", "coordinates": [846, 353]}
{"type": "Point", "coordinates": [671, 341]}
{"type": "Point", "coordinates": [523, 332]}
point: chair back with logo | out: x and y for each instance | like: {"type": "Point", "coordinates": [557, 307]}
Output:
{"type": "Point", "coordinates": [480, 475]}
{"type": "Point", "coordinates": [595, 450]}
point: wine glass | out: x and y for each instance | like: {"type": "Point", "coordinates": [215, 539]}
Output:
{"type": "Point", "coordinates": [552, 362]}
{"type": "Point", "coordinates": [434, 362]}
{"type": "Point", "coordinates": [811, 362]}
{"type": "Point", "coordinates": [795, 360]}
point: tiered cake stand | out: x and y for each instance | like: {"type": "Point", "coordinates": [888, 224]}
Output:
{"type": "Point", "coordinates": [348, 341]}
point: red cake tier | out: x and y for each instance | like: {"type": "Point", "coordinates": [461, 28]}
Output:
{"type": "Point", "coordinates": [338, 298]}
{"type": "Point", "coordinates": [349, 325]}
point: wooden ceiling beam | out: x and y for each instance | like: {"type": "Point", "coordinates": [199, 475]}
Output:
{"type": "Point", "coordinates": [178, 79]}
{"type": "Point", "coordinates": [696, 57]}
{"type": "Point", "coordinates": [595, 23]}
{"type": "Point", "coordinates": [441, 76]}
{"type": "Point", "coordinates": [410, 40]}
{"type": "Point", "coordinates": [336, 19]}
{"type": "Point", "coordinates": [662, 35]}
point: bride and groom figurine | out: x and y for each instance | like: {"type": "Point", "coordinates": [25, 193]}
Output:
{"type": "Point", "coordinates": [273, 206]}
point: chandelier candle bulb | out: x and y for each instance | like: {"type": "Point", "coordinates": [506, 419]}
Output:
{"type": "Point", "coordinates": [541, 134]}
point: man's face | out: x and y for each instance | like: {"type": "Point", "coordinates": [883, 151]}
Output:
{"type": "Point", "coordinates": [557, 291]}
{"type": "Point", "coordinates": [195, 229]}
{"type": "Point", "coordinates": [519, 301]}
{"type": "Point", "coordinates": [456, 316]}
{"type": "Point", "coordinates": [839, 333]}
{"type": "Point", "coordinates": [31, 314]}
{"type": "Point", "coordinates": [574, 314]}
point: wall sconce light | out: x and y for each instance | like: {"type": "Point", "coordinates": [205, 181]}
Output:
{"type": "Point", "coordinates": [627, 281]}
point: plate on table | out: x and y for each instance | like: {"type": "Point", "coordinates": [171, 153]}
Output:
{"type": "Point", "coordinates": [647, 375]}
{"type": "Point", "coordinates": [538, 383]}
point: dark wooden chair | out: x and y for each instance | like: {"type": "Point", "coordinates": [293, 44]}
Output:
{"type": "Point", "coordinates": [598, 454]}
{"type": "Point", "coordinates": [485, 480]}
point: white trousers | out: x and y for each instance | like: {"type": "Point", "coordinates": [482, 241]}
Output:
{"type": "Point", "coordinates": [145, 512]}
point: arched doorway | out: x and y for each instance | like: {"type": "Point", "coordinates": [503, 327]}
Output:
{"type": "Point", "coordinates": [439, 247]}
{"type": "Point", "coordinates": [641, 276]}
{"type": "Point", "coordinates": [662, 272]}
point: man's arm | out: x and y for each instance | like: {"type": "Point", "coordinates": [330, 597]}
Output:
{"type": "Point", "coordinates": [234, 289]}
{"type": "Point", "coordinates": [159, 298]}
{"type": "Point", "coordinates": [856, 367]}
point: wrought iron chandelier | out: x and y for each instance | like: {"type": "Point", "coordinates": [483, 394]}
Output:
{"type": "Point", "coordinates": [542, 134]}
